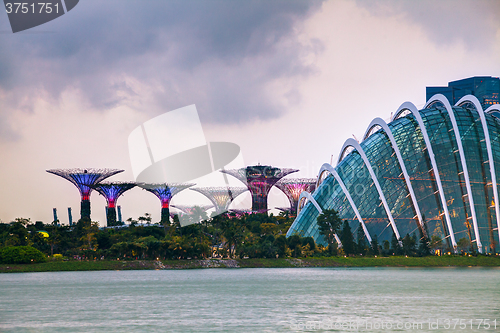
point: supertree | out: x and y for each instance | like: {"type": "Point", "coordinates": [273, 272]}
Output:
{"type": "Point", "coordinates": [293, 187]}
{"type": "Point", "coordinates": [259, 180]}
{"type": "Point", "coordinates": [221, 197]}
{"type": "Point", "coordinates": [111, 191]}
{"type": "Point", "coordinates": [164, 192]}
{"type": "Point", "coordinates": [85, 180]}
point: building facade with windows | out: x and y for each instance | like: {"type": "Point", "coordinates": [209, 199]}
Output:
{"type": "Point", "coordinates": [485, 88]}
{"type": "Point", "coordinates": [431, 172]}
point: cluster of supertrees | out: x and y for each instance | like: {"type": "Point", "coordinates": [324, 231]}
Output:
{"type": "Point", "coordinates": [258, 179]}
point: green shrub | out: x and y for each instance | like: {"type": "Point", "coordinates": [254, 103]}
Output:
{"type": "Point", "coordinates": [21, 255]}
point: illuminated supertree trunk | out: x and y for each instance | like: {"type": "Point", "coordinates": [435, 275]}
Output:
{"type": "Point", "coordinates": [85, 180]}
{"type": "Point", "coordinates": [112, 191]}
{"type": "Point", "coordinates": [293, 187]}
{"type": "Point", "coordinates": [259, 180]}
{"type": "Point", "coordinates": [165, 192]}
{"type": "Point", "coordinates": [221, 197]}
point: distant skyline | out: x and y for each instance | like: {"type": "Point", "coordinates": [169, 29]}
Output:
{"type": "Point", "coordinates": [287, 81]}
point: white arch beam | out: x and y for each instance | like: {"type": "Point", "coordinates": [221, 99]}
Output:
{"type": "Point", "coordinates": [413, 109]}
{"type": "Point", "coordinates": [308, 196]}
{"type": "Point", "coordinates": [493, 108]}
{"type": "Point", "coordinates": [473, 99]}
{"type": "Point", "coordinates": [443, 100]}
{"type": "Point", "coordinates": [328, 168]}
{"type": "Point", "coordinates": [353, 143]}
{"type": "Point", "coordinates": [380, 122]}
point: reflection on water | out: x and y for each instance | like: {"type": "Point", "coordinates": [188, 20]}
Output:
{"type": "Point", "coordinates": [250, 300]}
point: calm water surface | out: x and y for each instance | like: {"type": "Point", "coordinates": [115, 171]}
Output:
{"type": "Point", "coordinates": [252, 300]}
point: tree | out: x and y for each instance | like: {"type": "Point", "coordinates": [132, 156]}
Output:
{"type": "Point", "coordinates": [145, 219]}
{"type": "Point", "coordinates": [409, 244]}
{"type": "Point", "coordinates": [329, 224]}
{"type": "Point", "coordinates": [395, 246]}
{"type": "Point", "coordinates": [347, 239]}
{"type": "Point", "coordinates": [233, 232]}
{"type": "Point", "coordinates": [375, 247]}
{"type": "Point", "coordinates": [436, 242]}
{"type": "Point", "coordinates": [362, 244]}
{"type": "Point", "coordinates": [464, 244]}
{"type": "Point", "coordinates": [89, 239]}
{"type": "Point", "coordinates": [423, 247]}
{"type": "Point", "coordinates": [53, 238]}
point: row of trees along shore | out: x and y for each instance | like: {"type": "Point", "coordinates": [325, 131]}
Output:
{"type": "Point", "coordinates": [226, 236]}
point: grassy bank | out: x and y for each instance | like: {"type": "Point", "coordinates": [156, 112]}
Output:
{"type": "Point", "coordinates": [432, 261]}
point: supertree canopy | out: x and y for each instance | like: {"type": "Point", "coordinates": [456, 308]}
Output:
{"type": "Point", "coordinates": [85, 180]}
{"type": "Point", "coordinates": [111, 191]}
{"type": "Point", "coordinates": [164, 192]}
{"type": "Point", "coordinates": [221, 197]}
{"type": "Point", "coordinates": [259, 179]}
{"type": "Point", "coordinates": [293, 187]}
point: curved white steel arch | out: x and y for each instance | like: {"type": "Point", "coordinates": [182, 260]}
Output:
{"type": "Point", "coordinates": [333, 172]}
{"type": "Point", "coordinates": [308, 196]}
{"type": "Point", "coordinates": [413, 109]}
{"type": "Point", "coordinates": [494, 107]}
{"type": "Point", "coordinates": [438, 98]}
{"type": "Point", "coordinates": [342, 154]}
{"type": "Point", "coordinates": [353, 143]}
{"type": "Point", "coordinates": [473, 99]}
{"type": "Point", "coordinates": [380, 122]}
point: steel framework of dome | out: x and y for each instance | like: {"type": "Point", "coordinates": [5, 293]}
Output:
{"type": "Point", "coordinates": [85, 180]}
{"type": "Point", "coordinates": [259, 179]}
{"type": "Point", "coordinates": [221, 197]}
{"type": "Point", "coordinates": [112, 191]}
{"type": "Point", "coordinates": [293, 187]}
{"type": "Point", "coordinates": [431, 171]}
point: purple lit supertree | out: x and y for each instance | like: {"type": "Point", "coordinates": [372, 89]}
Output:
{"type": "Point", "coordinates": [293, 187]}
{"type": "Point", "coordinates": [221, 197]}
{"type": "Point", "coordinates": [111, 191]}
{"type": "Point", "coordinates": [85, 180]}
{"type": "Point", "coordinates": [259, 179]}
{"type": "Point", "coordinates": [165, 192]}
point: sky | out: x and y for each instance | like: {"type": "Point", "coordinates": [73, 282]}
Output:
{"type": "Point", "coordinates": [287, 81]}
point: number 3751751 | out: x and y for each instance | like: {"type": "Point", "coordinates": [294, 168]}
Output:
{"type": "Point", "coordinates": [33, 8]}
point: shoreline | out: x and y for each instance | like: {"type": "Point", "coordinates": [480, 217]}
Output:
{"type": "Point", "coordinates": [432, 261]}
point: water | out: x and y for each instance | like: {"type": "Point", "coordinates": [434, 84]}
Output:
{"type": "Point", "coordinates": [252, 300]}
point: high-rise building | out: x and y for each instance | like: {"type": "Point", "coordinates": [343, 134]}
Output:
{"type": "Point", "coordinates": [485, 88]}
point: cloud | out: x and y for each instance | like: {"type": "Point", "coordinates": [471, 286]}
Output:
{"type": "Point", "coordinates": [227, 57]}
{"type": "Point", "coordinates": [473, 22]}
